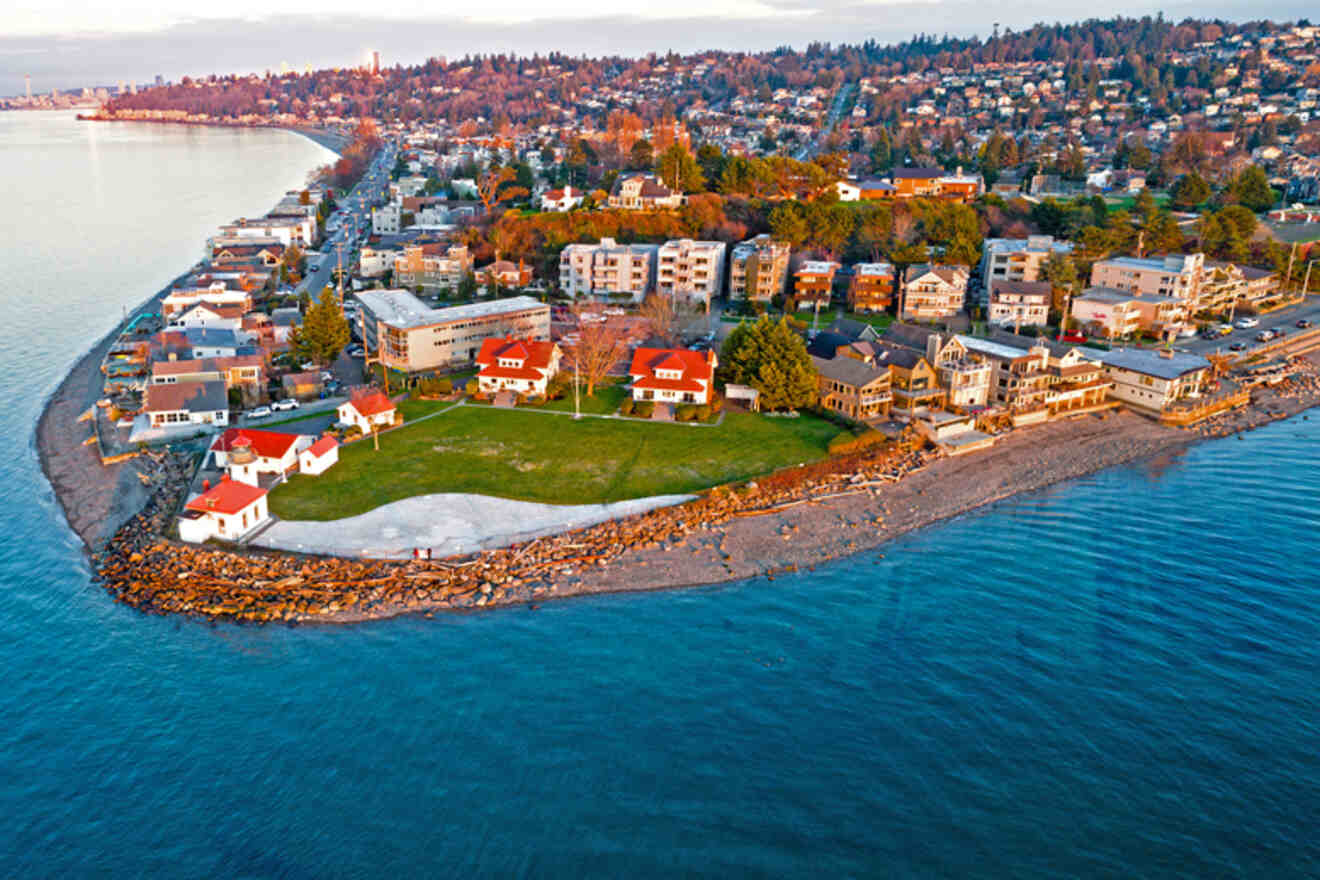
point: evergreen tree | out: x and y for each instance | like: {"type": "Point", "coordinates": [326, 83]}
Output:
{"type": "Point", "coordinates": [773, 359]}
{"type": "Point", "coordinates": [323, 332]}
{"type": "Point", "coordinates": [1189, 191]}
{"type": "Point", "coordinates": [1252, 190]}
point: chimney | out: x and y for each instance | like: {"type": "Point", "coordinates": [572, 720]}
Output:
{"type": "Point", "coordinates": [206, 485]}
{"type": "Point", "coordinates": [933, 342]}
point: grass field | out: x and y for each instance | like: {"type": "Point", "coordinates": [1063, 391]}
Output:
{"type": "Point", "coordinates": [538, 456]}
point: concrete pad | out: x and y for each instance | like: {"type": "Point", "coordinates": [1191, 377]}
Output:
{"type": "Point", "coordinates": [448, 524]}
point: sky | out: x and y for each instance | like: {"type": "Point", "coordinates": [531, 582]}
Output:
{"type": "Point", "coordinates": [71, 43]}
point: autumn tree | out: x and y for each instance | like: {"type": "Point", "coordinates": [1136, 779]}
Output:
{"type": "Point", "coordinates": [679, 171]}
{"type": "Point", "coordinates": [323, 332]}
{"type": "Point", "coordinates": [496, 185]}
{"type": "Point", "coordinates": [663, 314]}
{"type": "Point", "coordinates": [599, 347]}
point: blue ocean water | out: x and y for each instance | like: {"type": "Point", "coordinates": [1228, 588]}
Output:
{"type": "Point", "coordinates": [1116, 677]}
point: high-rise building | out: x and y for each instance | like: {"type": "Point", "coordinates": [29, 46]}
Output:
{"type": "Point", "coordinates": [375, 62]}
{"type": "Point", "coordinates": [27, 81]}
{"type": "Point", "coordinates": [160, 80]}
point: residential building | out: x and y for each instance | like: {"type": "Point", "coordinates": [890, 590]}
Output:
{"type": "Point", "coordinates": [367, 410]}
{"type": "Point", "coordinates": [913, 381]}
{"type": "Point", "coordinates": [853, 389]}
{"type": "Point", "coordinates": [246, 372]}
{"type": "Point", "coordinates": [1019, 303]}
{"type": "Point", "coordinates": [813, 283]}
{"type": "Point", "coordinates": [936, 183]}
{"type": "Point", "coordinates": [207, 315]}
{"type": "Point", "coordinates": [1226, 285]}
{"type": "Point", "coordinates": [319, 457]}
{"type": "Point", "coordinates": [303, 385]}
{"type": "Point", "coordinates": [1019, 378]}
{"type": "Point", "coordinates": [933, 291]}
{"type": "Point", "coordinates": [434, 266]}
{"type": "Point", "coordinates": [246, 452]}
{"type": "Point", "coordinates": [673, 375]}
{"type": "Point", "coordinates": [1152, 379]}
{"type": "Point", "coordinates": [871, 287]}
{"type": "Point", "coordinates": [692, 270]}
{"type": "Point", "coordinates": [240, 250]}
{"type": "Point", "coordinates": [608, 269]}
{"type": "Point", "coordinates": [187, 404]}
{"type": "Point", "coordinates": [523, 366]}
{"type": "Point", "coordinates": [565, 199]}
{"type": "Point", "coordinates": [408, 335]}
{"type": "Point", "coordinates": [215, 294]}
{"type": "Point", "coordinates": [643, 192]}
{"type": "Point", "coordinates": [228, 511]}
{"type": "Point", "coordinates": [870, 189]}
{"type": "Point", "coordinates": [387, 219]}
{"type": "Point", "coordinates": [1176, 276]}
{"type": "Point", "coordinates": [758, 269]}
{"type": "Point", "coordinates": [505, 274]}
{"type": "Point", "coordinates": [300, 231]}
{"type": "Point", "coordinates": [964, 376]}
{"type": "Point", "coordinates": [1114, 314]}
{"type": "Point", "coordinates": [1077, 380]}
{"type": "Point", "coordinates": [374, 261]}
{"type": "Point", "coordinates": [1019, 259]}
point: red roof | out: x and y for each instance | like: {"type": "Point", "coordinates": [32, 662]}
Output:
{"type": "Point", "coordinates": [266, 444]}
{"type": "Point", "coordinates": [696, 366]}
{"type": "Point", "coordinates": [534, 354]}
{"type": "Point", "coordinates": [372, 403]}
{"type": "Point", "coordinates": [322, 446]}
{"type": "Point", "coordinates": [227, 496]}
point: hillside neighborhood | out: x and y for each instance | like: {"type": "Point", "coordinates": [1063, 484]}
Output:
{"type": "Point", "coordinates": [861, 247]}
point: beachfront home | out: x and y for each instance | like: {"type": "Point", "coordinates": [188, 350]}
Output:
{"type": "Point", "coordinates": [366, 410]}
{"type": "Point", "coordinates": [187, 405]}
{"type": "Point", "coordinates": [933, 291]}
{"type": "Point", "coordinates": [871, 287]}
{"type": "Point", "coordinates": [1020, 303]}
{"type": "Point", "coordinates": [228, 511]}
{"type": "Point", "coordinates": [853, 388]}
{"type": "Point", "coordinates": [965, 377]}
{"type": "Point", "coordinates": [319, 457]}
{"type": "Point", "coordinates": [673, 375]}
{"type": "Point", "coordinates": [1152, 380]}
{"type": "Point", "coordinates": [523, 366]}
{"type": "Point", "coordinates": [1177, 276]}
{"type": "Point", "coordinates": [206, 314]}
{"type": "Point", "coordinates": [1113, 314]}
{"type": "Point", "coordinates": [1019, 378]}
{"type": "Point", "coordinates": [216, 293]}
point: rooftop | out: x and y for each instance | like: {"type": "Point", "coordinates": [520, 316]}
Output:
{"type": "Point", "coordinates": [399, 308]}
{"type": "Point", "coordinates": [1152, 362]}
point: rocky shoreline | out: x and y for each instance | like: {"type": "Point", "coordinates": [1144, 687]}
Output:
{"type": "Point", "coordinates": [787, 521]}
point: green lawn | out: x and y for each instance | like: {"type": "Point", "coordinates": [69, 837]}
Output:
{"type": "Point", "coordinates": [878, 320]}
{"type": "Point", "coordinates": [606, 400]}
{"type": "Point", "coordinates": [536, 456]}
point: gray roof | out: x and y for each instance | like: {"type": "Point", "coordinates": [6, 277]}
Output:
{"type": "Point", "coordinates": [399, 308]}
{"type": "Point", "coordinates": [211, 337]}
{"type": "Point", "coordinates": [849, 371]}
{"type": "Point", "coordinates": [1106, 295]}
{"type": "Point", "coordinates": [1011, 351]}
{"type": "Point", "coordinates": [194, 397]}
{"type": "Point", "coordinates": [1150, 361]}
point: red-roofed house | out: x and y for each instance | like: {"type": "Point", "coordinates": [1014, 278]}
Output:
{"type": "Point", "coordinates": [319, 457]}
{"type": "Point", "coordinates": [561, 199]}
{"type": "Point", "coordinates": [673, 375]}
{"type": "Point", "coordinates": [227, 510]}
{"type": "Point", "coordinates": [367, 409]}
{"type": "Point", "coordinates": [246, 452]}
{"type": "Point", "coordinates": [524, 366]}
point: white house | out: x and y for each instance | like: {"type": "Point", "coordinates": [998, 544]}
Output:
{"type": "Point", "coordinates": [228, 510]}
{"type": "Point", "coordinates": [673, 375]}
{"type": "Point", "coordinates": [366, 410]}
{"type": "Point", "coordinates": [245, 452]}
{"type": "Point", "coordinates": [187, 404]}
{"type": "Point", "coordinates": [524, 366]}
{"type": "Point", "coordinates": [319, 457]}
{"type": "Point", "coordinates": [207, 315]}
{"type": "Point", "coordinates": [561, 199]}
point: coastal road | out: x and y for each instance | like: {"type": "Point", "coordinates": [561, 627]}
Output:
{"type": "Point", "coordinates": [1284, 319]}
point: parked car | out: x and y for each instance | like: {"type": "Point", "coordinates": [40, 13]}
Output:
{"type": "Point", "coordinates": [1247, 323]}
{"type": "Point", "coordinates": [1237, 346]}
{"type": "Point", "coordinates": [261, 412]}
{"type": "Point", "coordinates": [355, 351]}
{"type": "Point", "coordinates": [284, 405]}
{"type": "Point", "coordinates": [1303, 324]}
{"type": "Point", "coordinates": [1225, 329]}
{"type": "Point", "coordinates": [1265, 336]}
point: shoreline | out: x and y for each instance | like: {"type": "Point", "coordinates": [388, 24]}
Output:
{"type": "Point", "coordinates": [791, 521]}
{"type": "Point", "coordinates": [325, 137]}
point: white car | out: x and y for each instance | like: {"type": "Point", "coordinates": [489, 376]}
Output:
{"type": "Point", "coordinates": [284, 405]}
{"type": "Point", "coordinates": [260, 412]}
{"type": "Point", "coordinates": [1247, 323]}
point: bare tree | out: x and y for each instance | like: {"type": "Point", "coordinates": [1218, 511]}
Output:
{"type": "Point", "coordinates": [600, 345]}
{"type": "Point", "coordinates": [662, 313]}
{"type": "Point", "coordinates": [492, 187]}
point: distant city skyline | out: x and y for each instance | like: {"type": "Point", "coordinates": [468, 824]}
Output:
{"type": "Point", "coordinates": [84, 45]}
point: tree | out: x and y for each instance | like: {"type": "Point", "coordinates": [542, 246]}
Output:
{"type": "Point", "coordinates": [641, 156]}
{"type": "Point", "coordinates": [882, 153]}
{"type": "Point", "coordinates": [663, 314]}
{"type": "Point", "coordinates": [323, 332]}
{"type": "Point", "coordinates": [600, 345]}
{"type": "Point", "coordinates": [496, 185]}
{"type": "Point", "coordinates": [773, 359]}
{"type": "Point", "coordinates": [1189, 191]}
{"type": "Point", "coordinates": [1251, 189]}
{"type": "Point", "coordinates": [679, 171]}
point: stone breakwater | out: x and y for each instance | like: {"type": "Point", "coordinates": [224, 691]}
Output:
{"type": "Point", "coordinates": [143, 568]}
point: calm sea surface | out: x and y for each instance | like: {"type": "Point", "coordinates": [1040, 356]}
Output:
{"type": "Point", "coordinates": [1115, 678]}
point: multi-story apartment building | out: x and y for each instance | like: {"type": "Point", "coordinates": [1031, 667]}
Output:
{"type": "Point", "coordinates": [871, 287]}
{"type": "Point", "coordinates": [758, 269]}
{"type": "Point", "coordinates": [643, 192]}
{"type": "Point", "coordinates": [435, 266]}
{"type": "Point", "coordinates": [1224, 285]}
{"type": "Point", "coordinates": [608, 268]}
{"type": "Point", "coordinates": [690, 269]}
{"type": "Point", "coordinates": [1019, 378]}
{"type": "Point", "coordinates": [408, 335]}
{"type": "Point", "coordinates": [1176, 276]}
{"type": "Point", "coordinates": [931, 292]}
{"type": "Point", "coordinates": [813, 283]}
{"type": "Point", "coordinates": [1018, 259]}
{"type": "Point", "coordinates": [287, 230]}
{"type": "Point", "coordinates": [1020, 303]}
{"type": "Point", "coordinates": [1115, 314]}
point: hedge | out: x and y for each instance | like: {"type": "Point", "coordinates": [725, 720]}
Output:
{"type": "Point", "coordinates": [845, 444]}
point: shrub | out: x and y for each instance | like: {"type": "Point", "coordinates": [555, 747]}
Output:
{"type": "Point", "coordinates": [353, 431]}
{"type": "Point", "coordinates": [643, 409]}
{"type": "Point", "coordinates": [716, 403]}
{"type": "Point", "coordinates": [704, 413]}
{"type": "Point", "coordinates": [685, 412]}
{"type": "Point", "coordinates": [626, 408]}
{"type": "Point", "coordinates": [849, 443]}
{"type": "Point", "coordinates": [444, 386]}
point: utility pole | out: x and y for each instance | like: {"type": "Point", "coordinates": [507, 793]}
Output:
{"type": "Point", "coordinates": [1292, 255]}
{"type": "Point", "coordinates": [1306, 285]}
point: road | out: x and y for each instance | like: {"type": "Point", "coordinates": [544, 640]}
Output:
{"type": "Point", "coordinates": [832, 119]}
{"type": "Point", "coordinates": [1285, 319]}
{"type": "Point", "coordinates": [354, 216]}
